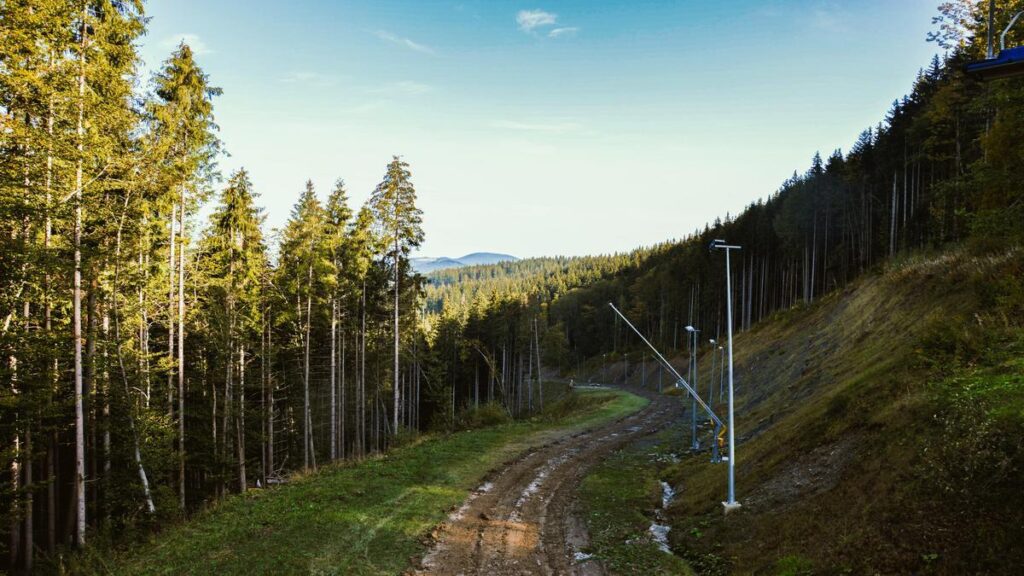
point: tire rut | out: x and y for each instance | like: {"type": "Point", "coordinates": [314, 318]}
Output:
{"type": "Point", "coordinates": [522, 520]}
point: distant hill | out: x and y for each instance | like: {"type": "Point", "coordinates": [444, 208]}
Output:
{"type": "Point", "coordinates": [428, 265]}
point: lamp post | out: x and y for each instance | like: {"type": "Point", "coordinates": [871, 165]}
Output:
{"type": "Point", "coordinates": [711, 381]}
{"type": "Point", "coordinates": [715, 456]}
{"type": "Point", "coordinates": [731, 503]}
{"type": "Point", "coordinates": [721, 371]}
{"type": "Point", "coordinates": [695, 445]}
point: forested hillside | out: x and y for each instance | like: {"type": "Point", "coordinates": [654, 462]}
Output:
{"type": "Point", "coordinates": [942, 167]}
{"type": "Point", "coordinates": [153, 362]}
{"type": "Point", "coordinates": [458, 288]}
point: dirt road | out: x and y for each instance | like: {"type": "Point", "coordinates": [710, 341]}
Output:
{"type": "Point", "coordinates": [523, 519]}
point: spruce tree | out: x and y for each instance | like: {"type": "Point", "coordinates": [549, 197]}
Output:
{"type": "Point", "coordinates": [399, 226]}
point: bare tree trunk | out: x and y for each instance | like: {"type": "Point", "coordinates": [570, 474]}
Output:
{"type": "Point", "coordinates": [307, 427]}
{"type": "Point", "coordinates": [540, 381]}
{"type": "Point", "coordinates": [270, 397]}
{"type": "Point", "coordinates": [14, 547]}
{"type": "Point", "coordinates": [892, 221]}
{"type": "Point", "coordinates": [137, 453]}
{"type": "Point", "coordinates": [263, 396]}
{"type": "Point", "coordinates": [181, 355]}
{"type": "Point", "coordinates": [144, 326]}
{"type": "Point", "coordinates": [362, 377]}
{"type": "Point", "coordinates": [229, 384]}
{"type": "Point", "coordinates": [240, 426]}
{"type": "Point", "coordinates": [529, 377]}
{"type": "Point", "coordinates": [172, 303]}
{"type": "Point", "coordinates": [106, 415]}
{"type": "Point", "coordinates": [77, 298]}
{"type": "Point", "coordinates": [89, 392]}
{"type": "Point", "coordinates": [333, 381]}
{"type": "Point", "coordinates": [214, 436]}
{"type": "Point", "coordinates": [51, 495]}
{"type": "Point", "coordinates": [344, 406]}
{"type": "Point", "coordinates": [398, 401]}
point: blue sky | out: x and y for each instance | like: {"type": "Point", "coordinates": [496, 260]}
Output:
{"type": "Point", "coordinates": [543, 127]}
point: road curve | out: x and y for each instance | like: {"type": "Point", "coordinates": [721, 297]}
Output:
{"type": "Point", "coordinates": [522, 520]}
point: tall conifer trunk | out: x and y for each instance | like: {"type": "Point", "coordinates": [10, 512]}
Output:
{"type": "Point", "coordinates": [181, 355]}
{"type": "Point", "coordinates": [77, 296]}
{"type": "Point", "coordinates": [172, 305]}
{"type": "Point", "coordinates": [398, 400]}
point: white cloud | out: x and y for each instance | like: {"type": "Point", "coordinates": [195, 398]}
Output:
{"type": "Point", "coordinates": [415, 46]}
{"type": "Point", "coordinates": [530, 19]}
{"type": "Point", "coordinates": [559, 32]}
{"type": "Point", "coordinates": [310, 79]}
{"type": "Point", "coordinates": [192, 40]}
{"type": "Point", "coordinates": [549, 127]}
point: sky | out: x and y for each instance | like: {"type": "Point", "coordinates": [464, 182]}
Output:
{"type": "Point", "coordinates": [544, 127]}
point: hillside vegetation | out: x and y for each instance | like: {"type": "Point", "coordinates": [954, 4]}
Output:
{"type": "Point", "coordinates": [879, 431]}
{"type": "Point", "coordinates": [370, 517]}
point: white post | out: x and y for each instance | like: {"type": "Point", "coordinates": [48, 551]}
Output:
{"type": "Point", "coordinates": [731, 503]}
{"type": "Point", "coordinates": [732, 421]}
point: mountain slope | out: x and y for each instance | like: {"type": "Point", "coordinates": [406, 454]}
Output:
{"type": "Point", "coordinates": [878, 431]}
{"type": "Point", "coordinates": [426, 265]}
{"type": "Point", "coordinates": [482, 258]}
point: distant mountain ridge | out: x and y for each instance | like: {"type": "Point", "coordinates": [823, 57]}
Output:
{"type": "Point", "coordinates": [426, 265]}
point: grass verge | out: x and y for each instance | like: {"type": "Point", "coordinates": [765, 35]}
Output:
{"type": "Point", "coordinates": [620, 497]}
{"type": "Point", "coordinates": [370, 517]}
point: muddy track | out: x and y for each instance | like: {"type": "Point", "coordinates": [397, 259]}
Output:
{"type": "Point", "coordinates": [522, 519]}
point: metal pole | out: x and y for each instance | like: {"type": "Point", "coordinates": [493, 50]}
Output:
{"type": "Point", "coordinates": [991, 30]}
{"type": "Point", "coordinates": [732, 419]}
{"type": "Point", "coordinates": [1013, 21]}
{"type": "Point", "coordinates": [693, 408]}
{"type": "Point", "coordinates": [715, 457]}
{"type": "Point", "coordinates": [721, 372]}
{"type": "Point", "coordinates": [680, 381]}
{"type": "Point", "coordinates": [711, 381]}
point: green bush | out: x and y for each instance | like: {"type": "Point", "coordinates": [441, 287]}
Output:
{"type": "Point", "coordinates": [489, 414]}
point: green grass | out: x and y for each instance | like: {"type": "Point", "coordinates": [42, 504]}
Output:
{"type": "Point", "coordinates": [371, 517]}
{"type": "Point", "coordinates": [876, 427]}
{"type": "Point", "coordinates": [620, 496]}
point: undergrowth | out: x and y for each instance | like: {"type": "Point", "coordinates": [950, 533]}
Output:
{"type": "Point", "coordinates": [368, 517]}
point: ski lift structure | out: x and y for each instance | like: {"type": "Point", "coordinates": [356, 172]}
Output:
{"type": "Point", "coordinates": [681, 382]}
{"type": "Point", "coordinates": [1009, 63]}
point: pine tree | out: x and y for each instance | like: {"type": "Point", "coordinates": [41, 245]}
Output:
{"type": "Point", "coordinates": [182, 140]}
{"type": "Point", "coordinates": [233, 261]}
{"type": "Point", "coordinates": [305, 269]}
{"type": "Point", "coordinates": [399, 226]}
{"type": "Point", "coordinates": [339, 216]}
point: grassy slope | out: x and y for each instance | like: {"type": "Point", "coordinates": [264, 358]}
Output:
{"type": "Point", "coordinates": [620, 496]}
{"type": "Point", "coordinates": [879, 432]}
{"type": "Point", "coordinates": [363, 518]}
